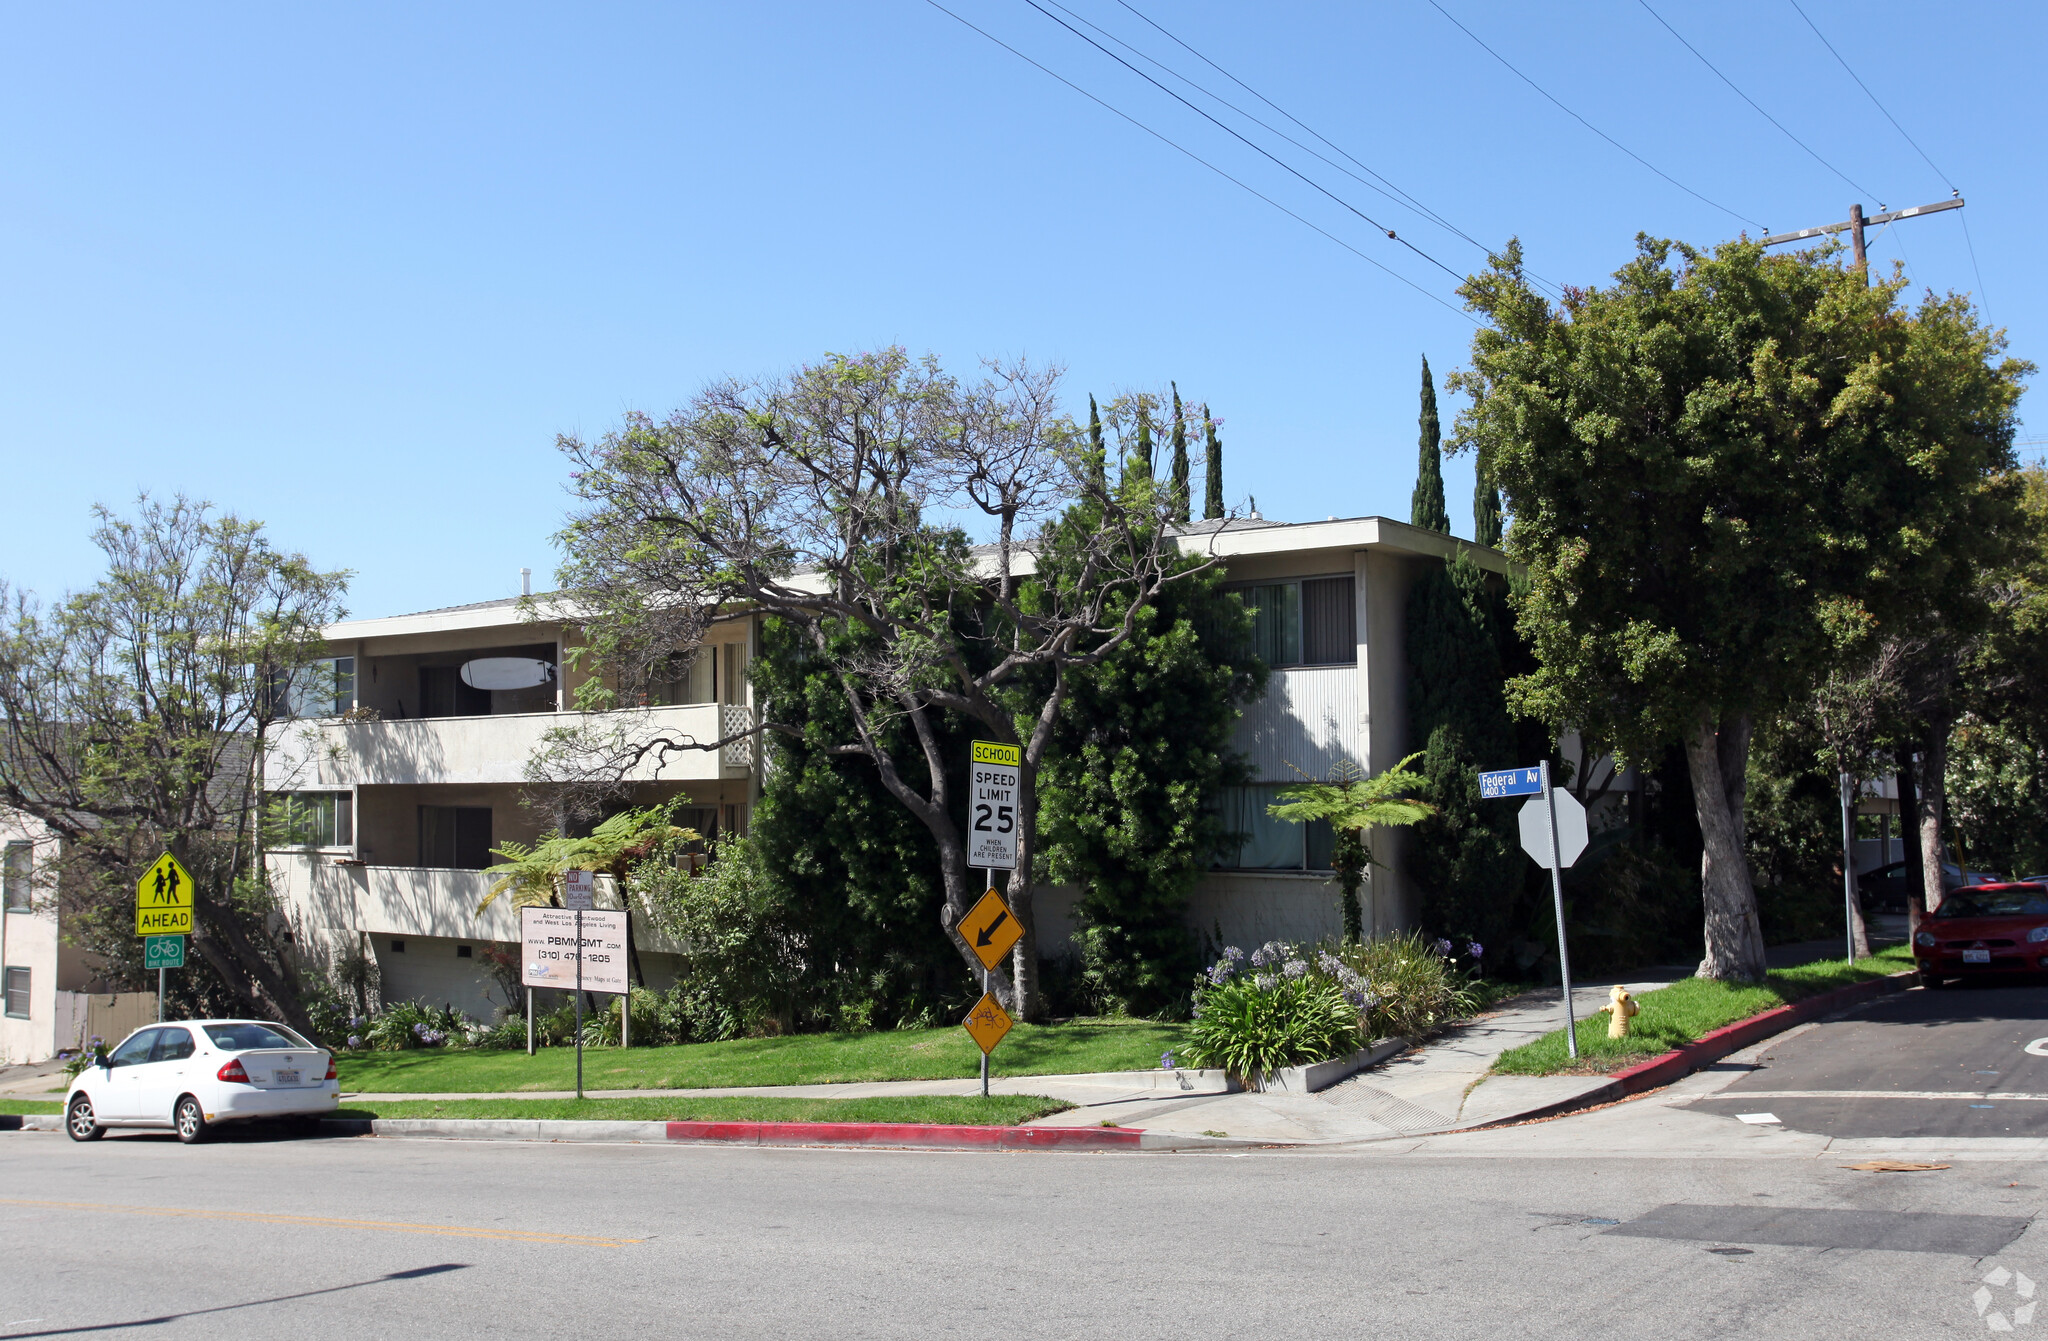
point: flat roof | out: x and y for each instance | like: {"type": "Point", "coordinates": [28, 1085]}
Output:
{"type": "Point", "coordinates": [1235, 536]}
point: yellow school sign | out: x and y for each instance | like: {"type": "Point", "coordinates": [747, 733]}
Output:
{"type": "Point", "coordinates": [163, 900]}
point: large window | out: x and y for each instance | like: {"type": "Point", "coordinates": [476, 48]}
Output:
{"type": "Point", "coordinates": [323, 688]}
{"type": "Point", "coordinates": [17, 993]}
{"type": "Point", "coordinates": [20, 874]}
{"type": "Point", "coordinates": [684, 679]}
{"type": "Point", "coordinates": [1313, 622]}
{"type": "Point", "coordinates": [455, 837]}
{"type": "Point", "coordinates": [1269, 844]}
{"type": "Point", "coordinates": [312, 819]}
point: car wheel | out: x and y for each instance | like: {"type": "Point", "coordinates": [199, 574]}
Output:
{"type": "Point", "coordinates": [80, 1123]}
{"type": "Point", "coordinates": [190, 1120]}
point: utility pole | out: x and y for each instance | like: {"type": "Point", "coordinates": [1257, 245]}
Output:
{"type": "Point", "coordinates": [1857, 222]}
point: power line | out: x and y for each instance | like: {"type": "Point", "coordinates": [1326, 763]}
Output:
{"type": "Point", "coordinates": [1744, 218]}
{"type": "Point", "coordinates": [1385, 188]}
{"type": "Point", "coordinates": [1753, 103]}
{"type": "Point", "coordinates": [1248, 143]}
{"type": "Point", "coordinates": [1435, 298]}
{"type": "Point", "coordinates": [1968, 241]}
{"type": "Point", "coordinates": [1868, 94]}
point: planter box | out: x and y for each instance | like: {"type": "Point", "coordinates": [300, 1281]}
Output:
{"type": "Point", "coordinates": [1321, 1075]}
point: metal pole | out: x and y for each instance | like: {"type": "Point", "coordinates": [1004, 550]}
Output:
{"type": "Point", "coordinates": [529, 1022]}
{"type": "Point", "coordinates": [160, 995]}
{"type": "Point", "coordinates": [988, 880]}
{"type": "Point", "coordinates": [1564, 962]}
{"type": "Point", "coordinates": [1849, 865]}
{"type": "Point", "coordinates": [579, 1003]}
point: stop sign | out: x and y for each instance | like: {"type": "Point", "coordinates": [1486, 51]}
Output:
{"type": "Point", "coordinates": [1571, 828]}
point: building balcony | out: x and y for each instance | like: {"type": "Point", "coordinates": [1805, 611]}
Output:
{"type": "Point", "coordinates": [416, 901]}
{"type": "Point", "coordinates": [498, 748]}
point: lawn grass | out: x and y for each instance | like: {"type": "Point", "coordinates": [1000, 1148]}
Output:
{"type": "Point", "coordinates": [998, 1110]}
{"type": "Point", "coordinates": [30, 1107]}
{"type": "Point", "coordinates": [801, 1059]}
{"type": "Point", "coordinates": [1676, 1015]}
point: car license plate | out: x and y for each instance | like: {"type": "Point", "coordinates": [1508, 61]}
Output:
{"type": "Point", "coordinates": [284, 1077]}
{"type": "Point", "coordinates": [1976, 956]}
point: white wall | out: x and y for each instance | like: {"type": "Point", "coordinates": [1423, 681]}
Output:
{"type": "Point", "coordinates": [28, 939]}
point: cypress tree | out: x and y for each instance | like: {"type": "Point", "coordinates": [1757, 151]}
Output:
{"type": "Point", "coordinates": [1427, 509]}
{"type": "Point", "coordinates": [1141, 459]}
{"type": "Point", "coordinates": [1098, 457]}
{"type": "Point", "coordinates": [1180, 458]}
{"type": "Point", "coordinates": [1486, 520]}
{"type": "Point", "coordinates": [1212, 456]}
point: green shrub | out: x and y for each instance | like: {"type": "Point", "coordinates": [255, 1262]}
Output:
{"type": "Point", "coordinates": [414, 1024]}
{"type": "Point", "coordinates": [1411, 984]}
{"type": "Point", "coordinates": [1251, 1021]}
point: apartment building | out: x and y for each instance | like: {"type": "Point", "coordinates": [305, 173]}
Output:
{"type": "Point", "coordinates": [411, 759]}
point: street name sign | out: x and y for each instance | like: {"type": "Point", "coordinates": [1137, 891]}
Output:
{"type": "Point", "coordinates": [989, 929]}
{"type": "Point", "coordinates": [1511, 782]}
{"type": "Point", "coordinates": [579, 889]}
{"type": "Point", "coordinates": [1571, 828]}
{"type": "Point", "coordinates": [163, 899]}
{"type": "Point", "coordinates": [548, 946]}
{"type": "Point", "coordinates": [163, 952]}
{"type": "Point", "coordinates": [986, 1024]}
{"type": "Point", "coordinates": [994, 774]}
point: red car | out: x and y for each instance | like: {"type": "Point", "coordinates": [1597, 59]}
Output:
{"type": "Point", "coordinates": [1980, 929]}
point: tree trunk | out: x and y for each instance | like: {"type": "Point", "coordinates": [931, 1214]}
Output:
{"type": "Point", "coordinates": [1916, 886]}
{"type": "Point", "coordinates": [1928, 814]}
{"type": "Point", "coordinates": [1024, 955]}
{"type": "Point", "coordinates": [1859, 936]}
{"type": "Point", "coordinates": [1718, 760]}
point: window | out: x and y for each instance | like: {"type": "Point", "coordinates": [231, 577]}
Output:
{"type": "Point", "coordinates": [1265, 843]}
{"type": "Point", "coordinates": [21, 866]}
{"type": "Point", "coordinates": [443, 693]}
{"type": "Point", "coordinates": [465, 952]}
{"type": "Point", "coordinates": [455, 838]}
{"type": "Point", "coordinates": [134, 1052]}
{"type": "Point", "coordinates": [312, 819]}
{"type": "Point", "coordinates": [172, 1045]}
{"type": "Point", "coordinates": [323, 688]}
{"type": "Point", "coordinates": [398, 947]}
{"type": "Point", "coordinates": [245, 1035]}
{"type": "Point", "coordinates": [682, 679]}
{"type": "Point", "coordinates": [1308, 623]}
{"type": "Point", "coordinates": [17, 993]}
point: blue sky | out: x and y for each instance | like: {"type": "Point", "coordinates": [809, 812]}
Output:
{"type": "Point", "coordinates": [349, 270]}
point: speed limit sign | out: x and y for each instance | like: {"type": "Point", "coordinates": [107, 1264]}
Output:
{"type": "Point", "coordinates": [992, 806]}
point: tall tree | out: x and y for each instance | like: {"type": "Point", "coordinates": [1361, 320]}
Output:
{"type": "Point", "coordinates": [1486, 511]}
{"type": "Point", "coordinates": [1426, 509]}
{"type": "Point", "coordinates": [1212, 465]}
{"type": "Point", "coordinates": [134, 719]}
{"type": "Point", "coordinates": [1720, 468]}
{"type": "Point", "coordinates": [1181, 482]}
{"type": "Point", "coordinates": [1098, 454]}
{"type": "Point", "coordinates": [806, 497]}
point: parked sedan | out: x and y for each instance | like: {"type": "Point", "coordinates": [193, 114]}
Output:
{"type": "Point", "coordinates": [193, 1075]}
{"type": "Point", "coordinates": [1985, 929]}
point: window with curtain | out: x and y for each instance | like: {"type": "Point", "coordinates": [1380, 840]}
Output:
{"type": "Point", "coordinates": [1313, 622]}
{"type": "Point", "coordinates": [1264, 843]}
{"type": "Point", "coordinates": [455, 837]}
{"type": "Point", "coordinates": [17, 993]}
{"type": "Point", "coordinates": [682, 678]}
{"type": "Point", "coordinates": [20, 877]}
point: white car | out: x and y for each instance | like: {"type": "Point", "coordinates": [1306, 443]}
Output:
{"type": "Point", "coordinates": [195, 1074]}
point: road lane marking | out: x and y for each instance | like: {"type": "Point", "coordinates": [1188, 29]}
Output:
{"type": "Point", "coordinates": [1746, 1095]}
{"type": "Point", "coordinates": [391, 1226]}
{"type": "Point", "coordinates": [2039, 1047]}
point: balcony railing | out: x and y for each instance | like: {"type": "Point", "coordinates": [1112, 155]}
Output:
{"type": "Point", "coordinates": [496, 749]}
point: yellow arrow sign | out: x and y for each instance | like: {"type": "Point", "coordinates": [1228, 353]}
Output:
{"type": "Point", "coordinates": [987, 1022]}
{"type": "Point", "coordinates": [163, 899]}
{"type": "Point", "coordinates": [989, 929]}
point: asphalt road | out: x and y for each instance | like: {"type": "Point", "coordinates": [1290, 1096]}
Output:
{"type": "Point", "coordinates": [366, 1238]}
{"type": "Point", "coordinates": [1922, 1063]}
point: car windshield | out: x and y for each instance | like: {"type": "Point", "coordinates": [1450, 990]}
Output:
{"type": "Point", "coordinates": [2019, 901]}
{"type": "Point", "coordinates": [242, 1036]}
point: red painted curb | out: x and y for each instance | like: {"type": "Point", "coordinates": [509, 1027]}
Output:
{"type": "Point", "coordinates": [1711, 1047]}
{"type": "Point", "coordinates": [921, 1134]}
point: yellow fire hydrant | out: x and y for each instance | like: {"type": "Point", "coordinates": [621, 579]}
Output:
{"type": "Point", "coordinates": [1620, 1008]}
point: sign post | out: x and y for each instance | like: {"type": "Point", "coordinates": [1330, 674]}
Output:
{"type": "Point", "coordinates": [995, 773]}
{"type": "Point", "coordinates": [1541, 840]}
{"type": "Point", "coordinates": [578, 893]}
{"type": "Point", "coordinates": [163, 918]}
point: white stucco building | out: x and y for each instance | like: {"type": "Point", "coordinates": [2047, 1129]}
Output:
{"type": "Point", "coordinates": [406, 775]}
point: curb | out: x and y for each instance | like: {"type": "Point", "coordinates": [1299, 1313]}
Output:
{"type": "Point", "coordinates": [1712, 1047]}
